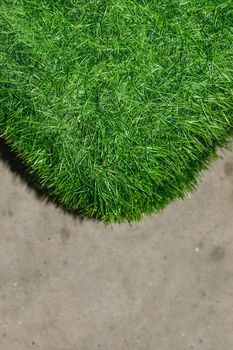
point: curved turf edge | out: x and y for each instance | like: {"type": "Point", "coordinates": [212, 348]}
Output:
{"type": "Point", "coordinates": [116, 107]}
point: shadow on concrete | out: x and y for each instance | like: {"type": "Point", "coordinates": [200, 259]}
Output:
{"type": "Point", "coordinates": [19, 168]}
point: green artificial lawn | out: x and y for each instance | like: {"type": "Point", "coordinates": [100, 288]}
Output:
{"type": "Point", "coordinates": [115, 106]}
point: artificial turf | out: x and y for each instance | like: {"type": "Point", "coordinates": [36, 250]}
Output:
{"type": "Point", "coordinates": [115, 106]}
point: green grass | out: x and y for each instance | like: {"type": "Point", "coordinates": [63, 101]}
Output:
{"type": "Point", "coordinates": [116, 106]}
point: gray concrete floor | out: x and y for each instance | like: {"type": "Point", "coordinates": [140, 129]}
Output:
{"type": "Point", "coordinates": [164, 284]}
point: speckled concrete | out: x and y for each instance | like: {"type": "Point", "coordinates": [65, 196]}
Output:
{"type": "Point", "coordinates": [164, 284]}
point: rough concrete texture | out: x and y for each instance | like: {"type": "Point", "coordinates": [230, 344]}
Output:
{"type": "Point", "coordinates": [164, 284]}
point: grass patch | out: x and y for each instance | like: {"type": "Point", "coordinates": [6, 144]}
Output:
{"type": "Point", "coordinates": [116, 106]}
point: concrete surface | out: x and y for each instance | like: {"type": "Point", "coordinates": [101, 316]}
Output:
{"type": "Point", "coordinates": [164, 284]}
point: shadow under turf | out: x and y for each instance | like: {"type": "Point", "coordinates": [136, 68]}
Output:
{"type": "Point", "coordinates": [17, 166]}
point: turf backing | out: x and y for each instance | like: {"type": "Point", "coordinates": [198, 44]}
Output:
{"type": "Point", "coordinates": [116, 106]}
